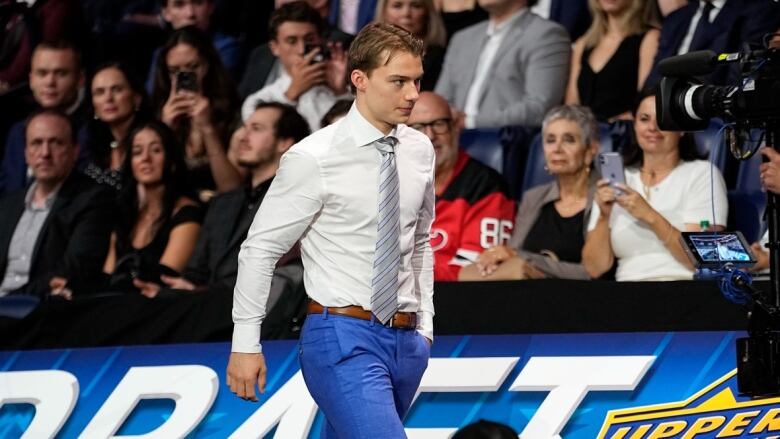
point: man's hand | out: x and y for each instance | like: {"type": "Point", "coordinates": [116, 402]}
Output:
{"type": "Point", "coordinates": [770, 171]}
{"type": "Point", "coordinates": [243, 372]}
{"type": "Point", "coordinates": [489, 260]}
{"type": "Point", "coordinates": [148, 289]}
{"type": "Point", "coordinates": [59, 287]}
{"type": "Point", "coordinates": [336, 72]}
{"type": "Point", "coordinates": [177, 283]}
{"type": "Point", "coordinates": [305, 75]}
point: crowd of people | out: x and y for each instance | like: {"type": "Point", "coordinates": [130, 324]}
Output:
{"type": "Point", "coordinates": [139, 145]}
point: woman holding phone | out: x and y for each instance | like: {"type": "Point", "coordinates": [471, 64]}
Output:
{"type": "Point", "coordinates": [193, 95]}
{"type": "Point", "coordinates": [668, 190]}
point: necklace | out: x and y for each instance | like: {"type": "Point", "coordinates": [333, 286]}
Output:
{"type": "Point", "coordinates": [646, 187]}
{"type": "Point", "coordinates": [114, 144]}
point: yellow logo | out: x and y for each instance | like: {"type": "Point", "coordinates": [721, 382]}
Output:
{"type": "Point", "coordinates": [713, 412]}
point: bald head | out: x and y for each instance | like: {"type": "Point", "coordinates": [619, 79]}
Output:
{"type": "Point", "coordinates": [429, 107]}
{"type": "Point", "coordinates": [431, 115]}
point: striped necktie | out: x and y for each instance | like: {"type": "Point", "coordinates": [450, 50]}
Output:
{"type": "Point", "coordinates": [387, 257]}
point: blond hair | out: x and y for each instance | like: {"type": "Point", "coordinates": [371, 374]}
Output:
{"type": "Point", "coordinates": [632, 21]}
{"type": "Point", "coordinates": [434, 32]}
{"type": "Point", "coordinates": [377, 43]}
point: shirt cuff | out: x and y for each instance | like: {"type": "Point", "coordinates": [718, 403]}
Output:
{"type": "Point", "coordinates": [246, 339]}
{"type": "Point", "coordinates": [425, 324]}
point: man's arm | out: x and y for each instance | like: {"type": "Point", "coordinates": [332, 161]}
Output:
{"type": "Point", "coordinates": [546, 73]}
{"type": "Point", "coordinates": [422, 259]}
{"type": "Point", "coordinates": [288, 208]}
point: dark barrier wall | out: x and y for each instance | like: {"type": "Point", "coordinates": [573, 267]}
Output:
{"type": "Point", "coordinates": [544, 306]}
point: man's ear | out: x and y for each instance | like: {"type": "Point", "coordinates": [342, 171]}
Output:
{"type": "Point", "coordinates": [274, 46]}
{"type": "Point", "coordinates": [282, 145]}
{"type": "Point", "coordinates": [166, 13]}
{"type": "Point", "coordinates": [359, 79]}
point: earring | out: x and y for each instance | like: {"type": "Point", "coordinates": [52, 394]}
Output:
{"type": "Point", "coordinates": [546, 169]}
{"type": "Point", "coordinates": [96, 116]}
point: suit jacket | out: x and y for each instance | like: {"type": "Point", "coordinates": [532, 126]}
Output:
{"type": "Point", "coordinates": [740, 21]}
{"type": "Point", "coordinates": [526, 78]}
{"type": "Point", "coordinates": [73, 242]}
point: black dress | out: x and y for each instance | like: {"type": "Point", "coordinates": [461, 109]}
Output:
{"type": "Point", "coordinates": [144, 263]}
{"type": "Point", "coordinates": [612, 90]}
{"type": "Point", "coordinates": [554, 234]}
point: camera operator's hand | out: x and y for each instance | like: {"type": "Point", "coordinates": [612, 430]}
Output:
{"type": "Point", "coordinates": [762, 257]}
{"type": "Point", "coordinates": [635, 204]}
{"type": "Point", "coordinates": [305, 75]}
{"type": "Point", "coordinates": [336, 72]}
{"type": "Point", "coordinates": [605, 197]}
{"type": "Point", "coordinates": [178, 105]}
{"type": "Point", "coordinates": [770, 171]}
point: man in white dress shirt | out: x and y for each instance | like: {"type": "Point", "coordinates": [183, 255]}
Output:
{"type": "Point", "coordinates": [359, 195]}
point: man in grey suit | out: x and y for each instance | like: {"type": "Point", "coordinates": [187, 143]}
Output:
{"type": "Point", "coordinates": [509, 70]}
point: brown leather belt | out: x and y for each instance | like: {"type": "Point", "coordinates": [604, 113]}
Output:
{"type": "Point", "coordinates": [402, 320]}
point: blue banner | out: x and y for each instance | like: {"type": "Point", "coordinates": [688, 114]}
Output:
{"type": "Point", "coordinates": [616, 386]}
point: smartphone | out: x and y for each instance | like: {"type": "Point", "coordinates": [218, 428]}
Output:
{"type": "Point", "coordinates": [611, 167]}
{"type": "Point", "coordinates": [186, 80]}
{"type": "Point", "coordinates": [323, 55]}
{"type": "Point", "coordinates": [714, 249]}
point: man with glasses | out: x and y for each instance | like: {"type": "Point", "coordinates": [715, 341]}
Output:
{"type": "Point", "coordinates": [473, 210]}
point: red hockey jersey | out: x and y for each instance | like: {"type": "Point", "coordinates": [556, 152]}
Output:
{"type": "Point", "coordinates": [473, 213]}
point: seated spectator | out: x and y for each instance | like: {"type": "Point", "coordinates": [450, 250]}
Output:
{"type": "Point", "coordinates": [459, 14]}
{"type": "Point", "coordinates": [508, 71]}
{"type": "Point", "coordinates": [571, 14]}
{"type": "Point", "coordinates": [610, 63]}
{"type": "Point", "coordinates": [54, 233]}
{"type": "Point", "coordinates": [310, 85]}
{"type": "Point", "coordinates": [667, 190]}
{"type": "Point", "coordinates": [270, 131]}
{"type": "Point", "coordinates": [237, 141]}
{"type": "Point", "coordinates": [57, 81]}
{"type": "Point", "coordinates": [200, 112]}
{"type": "Point", "coordinates": [550, 225]}
{"type": "Point", "coordinates": [483, 429]}
{"type": "Point", "coordinates": [182, 13]}
{"type": "Point", "coordinates": [717, 25]}
{"type": "Point", "coordinates": [263, 67]}
{"type": "Point", "coordinates": [158, 221]}
{"type": "Point", "coordinates": [119, 101]}
{"type": "Point", "coordinates": [336, 112]}
{"type": "Point", "coordinates": [420, 18]}
{"type": "Point", "coordinates": [473, 210]}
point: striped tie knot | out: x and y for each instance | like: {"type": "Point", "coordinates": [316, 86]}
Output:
{"type": "Point", "coordinates": [386, 144]}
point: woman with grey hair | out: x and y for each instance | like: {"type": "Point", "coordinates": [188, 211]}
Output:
{"type": "Point", "coordinates": [551, 222]}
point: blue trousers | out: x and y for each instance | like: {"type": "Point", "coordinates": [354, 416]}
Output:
{"type": "Point", "coordinates": [361, 374]}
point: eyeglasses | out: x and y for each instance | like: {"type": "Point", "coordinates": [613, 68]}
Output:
{"type": "Point", "coordinates": [439, 126]}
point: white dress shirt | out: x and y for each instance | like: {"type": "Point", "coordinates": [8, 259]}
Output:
{"type": "Point", "coordinates": [312, 105]}
{"type": "Point", "coordinates": [542, 8]}
{"type": "Point", "coordinates": [348, 14]}
{"type": "Point", "coordinates": [325, 195]}
{"type": "Point", "coordinates": [495, 35]}
{"type": "Point", "coordinates": [717, 5]}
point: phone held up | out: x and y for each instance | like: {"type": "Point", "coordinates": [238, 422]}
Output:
{"type": "Point", "coordinates": [611, 167]}
{"type": "Point", "coordinates": [186, 80]}
{"type": "Point", "coordinates": [323, 55]}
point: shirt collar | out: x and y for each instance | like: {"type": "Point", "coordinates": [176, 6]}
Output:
{"type": "Point", "coordinates": [361, 130]}
{"type": "Point", "coordinates": [75, 105]}
{"type": "Point", "coordinates": [49, 199]}
{"type": "Point", "coordinates": [501, 29]}
{"type": "Point", "coordinates": [717, 4]}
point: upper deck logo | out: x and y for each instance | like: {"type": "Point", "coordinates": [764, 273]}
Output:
{"type": "Point", "coordinates": [713, 412]}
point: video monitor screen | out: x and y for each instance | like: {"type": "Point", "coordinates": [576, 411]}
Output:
{"type": "Point", "coordinates": [712, 249]}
